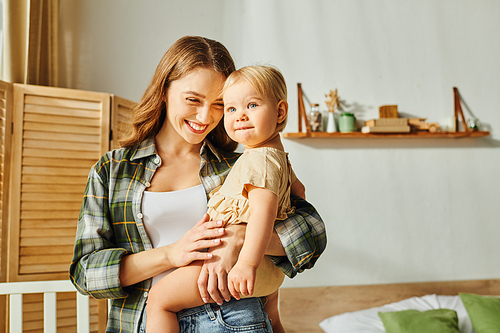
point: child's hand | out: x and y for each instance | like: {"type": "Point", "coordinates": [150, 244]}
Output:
{"type": "Point", "coordinates": [241, 280]}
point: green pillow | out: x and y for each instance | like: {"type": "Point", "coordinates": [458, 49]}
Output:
{"type": "Point", "coordinates": [414, 321]}
{"type": "Point", "coordinates": [484, 312]}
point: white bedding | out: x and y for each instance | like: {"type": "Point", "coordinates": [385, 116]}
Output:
{"type": "Point", "coordinates": [368, 321]}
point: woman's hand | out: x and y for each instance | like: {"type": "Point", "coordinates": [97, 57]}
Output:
{"type": "Point", "coordinates": [212, 282]}
{"type": "Point", "coordinates": [145, 264]}
{"type": "Point", "coordinates": [205, 234]}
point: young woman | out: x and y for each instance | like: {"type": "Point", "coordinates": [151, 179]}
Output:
{"type": "Point", "coordinates": [141, 210]}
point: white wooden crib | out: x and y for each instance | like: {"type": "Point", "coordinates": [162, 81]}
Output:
{"type": "Point", "coordinates": [15, 290]}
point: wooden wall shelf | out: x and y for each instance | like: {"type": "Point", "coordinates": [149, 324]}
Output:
{"type": "Point", "coordinates": [417, 135]}
{"type": "Point", "coordinates": [459, 115]}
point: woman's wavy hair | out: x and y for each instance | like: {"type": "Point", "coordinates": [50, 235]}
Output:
{"type": "Point", "coordinates": [183, 56]}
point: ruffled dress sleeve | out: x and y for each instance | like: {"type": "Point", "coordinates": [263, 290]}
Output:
{"type": "Point", "coordinates": [262, 167]}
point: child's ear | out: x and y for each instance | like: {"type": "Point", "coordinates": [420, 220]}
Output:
{"type": "Point", "coordinates": [282, 111]}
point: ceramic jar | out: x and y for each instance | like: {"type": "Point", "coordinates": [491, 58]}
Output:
{"type": "Point", "coordinates": [347, 122]}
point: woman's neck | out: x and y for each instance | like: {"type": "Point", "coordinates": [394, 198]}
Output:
{"type": "Point", "coordinates": [169, 143]}
{"type": "Point", "coordinates": [180, 165]}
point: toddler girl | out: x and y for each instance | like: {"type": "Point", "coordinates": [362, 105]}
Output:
{"type": "Point", "coordinates": [256, 192]}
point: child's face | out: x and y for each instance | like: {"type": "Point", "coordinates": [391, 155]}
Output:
{"type": "Point", "coordinates": [249, 118]}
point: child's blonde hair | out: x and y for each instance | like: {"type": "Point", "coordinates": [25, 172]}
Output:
{"type": "Point", "coordinates": [266, 80]}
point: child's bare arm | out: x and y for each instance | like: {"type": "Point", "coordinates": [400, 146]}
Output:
{"type": "Point", "coordinates": [298, 189]}
{"type": "Point", "coordinates": [263, 207]}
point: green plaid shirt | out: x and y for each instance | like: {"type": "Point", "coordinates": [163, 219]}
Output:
{"type": "Point", "coordinates": [110, 226]}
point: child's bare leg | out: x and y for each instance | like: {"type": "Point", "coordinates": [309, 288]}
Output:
{"type": "Point", "coordinates": [271, 308]}
{"type": "Point", "coordinates": [173, 293]}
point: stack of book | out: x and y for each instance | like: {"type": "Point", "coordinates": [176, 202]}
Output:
{"type": "Point", "coordinates": [388, 122]}
{"type": "Point", "coordinates": [386, 125]}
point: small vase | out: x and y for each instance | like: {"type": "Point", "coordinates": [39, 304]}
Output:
{"type": "Point", "coordinates": [331, 127]}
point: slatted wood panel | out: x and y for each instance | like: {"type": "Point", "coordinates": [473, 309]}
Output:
{"type": "Point", "coordinates": [66, 313]}
{"type": "Point", "coordinates": [121, 120]}
{"type": "Point", "coordinates": [5, 142]}
{"type": "Point", "coordinates": [58, 135]}
{"type": "Point", "coordinates": [5, 136]}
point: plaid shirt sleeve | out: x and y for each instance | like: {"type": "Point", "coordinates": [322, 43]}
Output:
{"type": "Point", "coordinates": [95, 265]}
{"type": "Point", "coordinates": [303, 236]}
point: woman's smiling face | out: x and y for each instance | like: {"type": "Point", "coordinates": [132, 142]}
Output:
{"type": "Point", "coordinates": [194, 105]}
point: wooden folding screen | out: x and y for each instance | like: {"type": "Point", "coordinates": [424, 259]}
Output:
{"type": "Point", "coordinates": [5, 141]}
{"type": "Point", "coordinates": [58, 134]}
{"type": "Point", "coordinates": [50, 137]}
{"type": "Point", "coordinates": [121, 120]}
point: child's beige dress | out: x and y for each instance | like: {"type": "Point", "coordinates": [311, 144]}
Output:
{"type": "Point", "coordinates": [261, 167]}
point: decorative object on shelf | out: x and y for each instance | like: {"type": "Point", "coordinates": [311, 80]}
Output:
{"type": "Point", "coordinates": [388, 111]}
{"type": "Point", "coordinates": [390, 122]}
{"type": "Point", "coordinates": [331, 127]}
{"type": "Point", "coordinates": [331, 103]}
{"type": "Point", "coordinates": [473, 124]}
{"type": "Point", "coordinates": [448, 124]}
{"type": "Point", "coordinates": [347, 122]}
{"type": "Point", "coordinates": [421, 124]}
{"type": "Point", "coordinates": [315, 118]}
{"type": "Point", "coordinates": [386, 125]}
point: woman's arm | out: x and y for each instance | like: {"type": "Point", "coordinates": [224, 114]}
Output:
{"type": "Point", "coordinates": [94, 269]}
{"type": "Point", "coordinates": [303, 237]}
{"type": "Point", "coordinates": [101, 268]}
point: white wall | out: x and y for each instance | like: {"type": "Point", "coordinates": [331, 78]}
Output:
{"type": "Point", "coordinates": [395, 210]}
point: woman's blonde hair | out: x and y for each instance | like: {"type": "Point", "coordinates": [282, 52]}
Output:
{"type": "Point", "coordinates": [186, 54]}
{"type": "Point", "coordinates": [266, 80]}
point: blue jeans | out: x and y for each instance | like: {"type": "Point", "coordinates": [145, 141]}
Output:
{"type": "Point", "coordinates": [246, 315]}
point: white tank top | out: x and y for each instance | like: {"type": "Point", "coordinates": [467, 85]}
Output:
{"type": "Point", "coordinates": [169, 215]}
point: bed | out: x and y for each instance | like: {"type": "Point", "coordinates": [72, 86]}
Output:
{"type": "Point", "coordinates": [302, 309]}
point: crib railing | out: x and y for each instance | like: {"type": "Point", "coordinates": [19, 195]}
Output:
{"type": "Point", "coordinates": [15, 290]}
